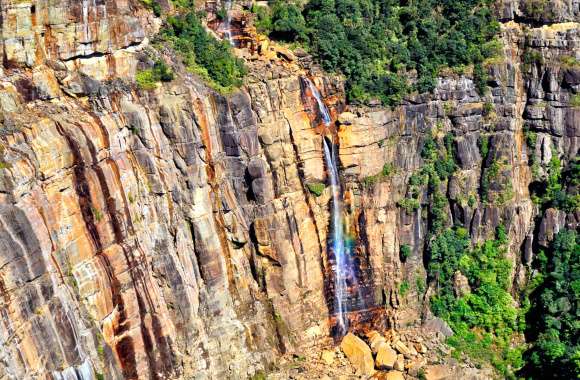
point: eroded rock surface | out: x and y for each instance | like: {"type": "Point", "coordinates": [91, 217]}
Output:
{"type": "Point", "coordinates": [171, 234]}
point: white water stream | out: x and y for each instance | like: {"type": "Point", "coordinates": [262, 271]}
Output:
{"type": "Point", "coordinates": [343, 264]}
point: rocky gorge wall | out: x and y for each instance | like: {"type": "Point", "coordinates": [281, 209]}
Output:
{"type": "Point", "coordinates": [171, 234]}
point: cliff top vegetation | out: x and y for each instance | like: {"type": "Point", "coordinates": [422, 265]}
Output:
{"type": "Point", "coordinates": [378, 45]}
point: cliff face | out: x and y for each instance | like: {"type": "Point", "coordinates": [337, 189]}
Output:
{"type": "Point", "coordinates": [170, 233]}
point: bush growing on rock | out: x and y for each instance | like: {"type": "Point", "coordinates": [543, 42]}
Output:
{"type": "Point", "coordinates": [202, 53]}
{"type": "Point", "coordinates": [148, 79]}
{"type": "Point", "coordinates": [316, 188]}
{"type": "Point", "coordinates": [379, 45]}
{"type": "Point", "coordinates": [485, 320]}
{"type": "Point", "coordinates": [404, 252]}
{"type": "Point", "coordinates": [553, 319]}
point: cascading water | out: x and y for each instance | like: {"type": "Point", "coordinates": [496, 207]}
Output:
{"type": "Point", "coordinates": [321, 106]}
{"type": "Point", "coordinates": [338, 247]}
{"type": "Point", "coordinates": [227, 25]}
{"type": "Point", "coordinates": [344, 270]}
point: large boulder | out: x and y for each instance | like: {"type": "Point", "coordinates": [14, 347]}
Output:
{"type": "Point", "coordinates": [358, 353]}
{"type": "Point", "coordinates": [400, 363]}
{"type": "Point", "coordinates": [376, 340]}
{"type": "Point", "coordinates": [402, 349]}
{"type": "Point", "coordinates": [386, 357]}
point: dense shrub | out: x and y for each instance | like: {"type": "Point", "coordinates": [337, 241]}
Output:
{"type": "Point", "coordinates": [404, 252]}
{"type": "Point", "coordinates": [148, 79]}
{"type": "Point", "coordinates": [553, 319]}
{"type": "Point", "coordinates": [154, 6]}
{"type": "Point", "coordinates": [202, 53]}
{"type": "Point", "coordinates": [560, 188]}
{"type": "Point", "coordinates": [439, 165]}
{"type": "Point", "coordinates": [287, 22]}
{"type": "Point", "coordinates": [377, 43]}
{"type": "Point", "coordinates": [485, 320]}
{"type": "Point", "coordinates": [263, 21]}
{"type": "Point", "coordinates": [316, 188]}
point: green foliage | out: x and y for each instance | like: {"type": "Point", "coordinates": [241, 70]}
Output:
{"type": "Point", "coordinates": [421, 375]}
{"type": "Point", "coordinates": [404, 288]}
{"type": "Point", "coordinates": [537, 9]}
{"type": "Point", "coordinates": [553, 193]}
{"type": "Point", "coordinates": [485, 321]}
{"type": "Point", "coordinates": [222, 13]}
{"type": "Point", "coordinates": [154, 6]}
{"type": "Point", "coordinates": [531, 138]}
{"type": "Point", "coordinates": [97, 214]}
{"type": "Point", "coordinates": [420, 284]}
{"type": "Point", "coordinates": [439, 165]}
{"type": "Point", "coordinates": [483, 144]}
{"type": "Point", "coordinates": [553, 326]}
{"type": "Point", "coordinates": [575, 100]}
{"type": "Point", "coordinates": [316, 188]}
{"type": "Point", "coordinates": [377, 44]}
{"type": "Point", "coordinates": [488, 108]}
{"type": "Point", "coordinates": [202, 53]}
{"type": "Point", "coordinates": [148, 79]}
{"type": "Point", "coordinates": [404, 252]}
{"type": "Point", "coordinates": [99, 376]}
{"type": "Point", "coordinates": [259, 375]}
{"type": "Point", "coordinates": [263, 21]}
{"type": "Point", "coordinates": [409, 204]}
{"type": "Point", "coordinates": [532, 58]}
{"type": "Point", "coordinates": [387, 171]}
{"type": "Point", "coordinates": [288, 24]}
{"type": "Point", "coordinates": [569, 62]}
{"type": "Point", "coordinates": [471, 200]}
{"type": "Point", "coordinates": [480, 78]}
{"type": "Point", "coordinates": [490, 175]}
{"type": "Point", "coordinates": [145, 79]}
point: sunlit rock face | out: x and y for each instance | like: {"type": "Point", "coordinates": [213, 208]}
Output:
{"type": "Point", "coordinates": [171, 233]}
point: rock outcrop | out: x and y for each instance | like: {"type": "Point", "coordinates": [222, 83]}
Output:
{"type": "Point", "coordinates": [170, 233]}
{"type": "Point", "coordinates": [358, 353]}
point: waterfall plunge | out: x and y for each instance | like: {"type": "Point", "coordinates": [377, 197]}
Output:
{"type": "Point", "coordinates": [227, 25]}
{"type": "Point", "coordinates": [344, 271]}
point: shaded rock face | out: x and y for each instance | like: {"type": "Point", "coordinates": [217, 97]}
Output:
{"type": "Point", "coordinates": [35, 30]}
{"type": "Point", "coordinates": [170, 233]}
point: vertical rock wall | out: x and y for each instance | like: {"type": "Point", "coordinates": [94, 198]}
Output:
{"type": "Point", "coordinates": [170, 233]}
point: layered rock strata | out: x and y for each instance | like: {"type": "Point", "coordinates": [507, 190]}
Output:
{"type": "Point", "coordinates": [171, 233]}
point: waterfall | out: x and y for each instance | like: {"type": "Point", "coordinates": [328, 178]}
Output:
{"type": "Point", "coordinates": [338, 247]}
{"type": "Point", "coordinates": [344, 268]}
{"type": "Point", "coordinates": [80, 372]}
{"type": "Point", "coordinates": [227, 26]}
{"type": "Point", "coordinates": [321, 106]}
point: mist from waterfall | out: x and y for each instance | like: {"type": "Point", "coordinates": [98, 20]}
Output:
{"type": "Point", "coordinates": [344, 270]}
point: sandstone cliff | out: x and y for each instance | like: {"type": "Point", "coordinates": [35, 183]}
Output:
{"type": "Point", "coordinates": [171, 234]}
